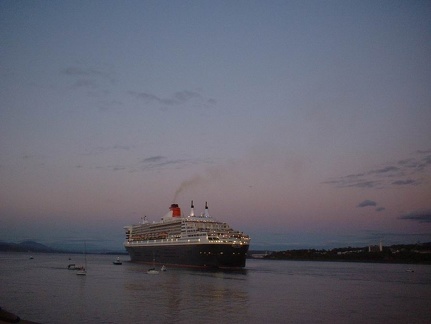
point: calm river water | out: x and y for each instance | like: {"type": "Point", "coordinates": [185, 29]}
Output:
{"type": "Point", "coordinates": [43, 290]}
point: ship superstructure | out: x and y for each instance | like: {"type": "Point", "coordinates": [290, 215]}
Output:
{"type": "Point", "coordinates": [196, 241]}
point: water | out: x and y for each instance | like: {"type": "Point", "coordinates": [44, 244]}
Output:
{"type": "Point", "coordinates": [43, 290]}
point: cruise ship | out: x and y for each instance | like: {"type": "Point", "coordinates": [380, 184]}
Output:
{"type": "Point", "coordinates": [189, 241]}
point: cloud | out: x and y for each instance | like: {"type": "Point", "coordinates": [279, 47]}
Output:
{"type": "Point", "coordinates": [410, 171]}
{"type": "Point", "coordinates": [350, 182]}
{"type": "Point", "coordinates": [367, 203]}
{"type": "Point", "coordinates": [161, 162]}
{"type": "Point", "coordinates": [405, 182]}
{"type": "Point", "coordinates": [166, 162]}
{"type": "Point", "coordinates": [421, 216]}
{"type": "Point", "coordinates": [363, 184]}
{"type": "Point", "coordinates": [74, 71]}
{"type": "Point", "coordinates": [106, 105]}
{"type": "Point", "coordinates": [89, 78]}
{"type": "Point", "coordinates": [153, 159]}
{"type": "Point", "coordinates": [184, 96]}
{"type": "Point", "coordinates": [156, 162]}
{"type": "Point", "coordinates": [103, 149]}
{"type": "Point", "coordinates": [113, 167]}
{"type": "Point", "coordinates": [417, 164]}
{"type": "Point", "coordinates": [177, 98]}
{"type": "Point", "coordinates": [385, 170]}
{"type": "Point", "coordinates": [144, 96]}
{"type": "Point", "coordinates": [370, 203]}
{"type": "Point", "coordinates": [85, 83]}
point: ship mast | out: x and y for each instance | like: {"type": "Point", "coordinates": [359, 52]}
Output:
{"type": "Point", "coordinates": [206, 213]}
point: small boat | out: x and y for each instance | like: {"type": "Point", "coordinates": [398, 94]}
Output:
{"type": "Point", "coordinates": [153, 269]}
{"type": "Point", "coordinates": [117, 262]}
{"type": "Point", "coordinates": [71, 266]}
{"type": "Point", "coordinates": [410, 270]}
{"type": "Point", "coordinates": [163, 268]}
{"type": "Point", "coordinates": [81, 271]}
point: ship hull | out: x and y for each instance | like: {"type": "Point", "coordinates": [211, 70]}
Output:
{"type": "Point", "coordinates": [190, 255]}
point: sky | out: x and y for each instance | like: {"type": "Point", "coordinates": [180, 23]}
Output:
{"type": "Point", "coordinates": [305, 124]}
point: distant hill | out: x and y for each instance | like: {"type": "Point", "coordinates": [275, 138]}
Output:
{"type": "Point", "coordinates": [32, 246]}
{"type": "Point", "coordinates": [399, 253]}
{"type": "Point", "coordinates": [25, 246]}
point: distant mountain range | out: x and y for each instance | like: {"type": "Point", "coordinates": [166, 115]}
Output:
{"type": "Point", "coordinates": [35, 247]}
{"type": "Point", "coordinates": [26, 246]}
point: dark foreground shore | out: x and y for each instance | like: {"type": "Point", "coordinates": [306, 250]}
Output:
{"type": "Point", "coordinates": [8, 317]}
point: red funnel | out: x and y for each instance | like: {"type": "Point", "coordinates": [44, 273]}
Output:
{"type": "Point", "coordinates": [176, 211]}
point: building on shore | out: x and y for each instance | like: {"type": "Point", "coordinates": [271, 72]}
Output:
{"type": "Point", "coordinates": [375, 248]}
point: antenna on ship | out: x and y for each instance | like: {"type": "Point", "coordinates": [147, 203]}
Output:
{"type": "Point", "coordinates": [192, 212]}
{"type": "Point", "coordinates": [206, 213]}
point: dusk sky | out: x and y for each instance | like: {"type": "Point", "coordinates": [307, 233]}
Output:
{"type": "Point", "coordinates": [305, 124]}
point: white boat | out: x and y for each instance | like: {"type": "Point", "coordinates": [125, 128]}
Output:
{"type": "Point", "coordinates": [163, 268]}
{"type": "Point", "coordinates": [118, 261]}
{"type": "Point", "coordinates": [82, 271]}
{"type": "Point", "coordinates": [153, 269]}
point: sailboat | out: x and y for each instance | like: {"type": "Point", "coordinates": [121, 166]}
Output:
{"type": "Point", "coordinates": [82, 271]}
{"type": "Point", "coordinates": [153, 269]}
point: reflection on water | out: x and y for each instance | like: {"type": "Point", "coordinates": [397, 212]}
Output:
{"type": "Point", "coordinates": [183, 295]}
{"type": "Point", "coordinates": [44, 290]}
